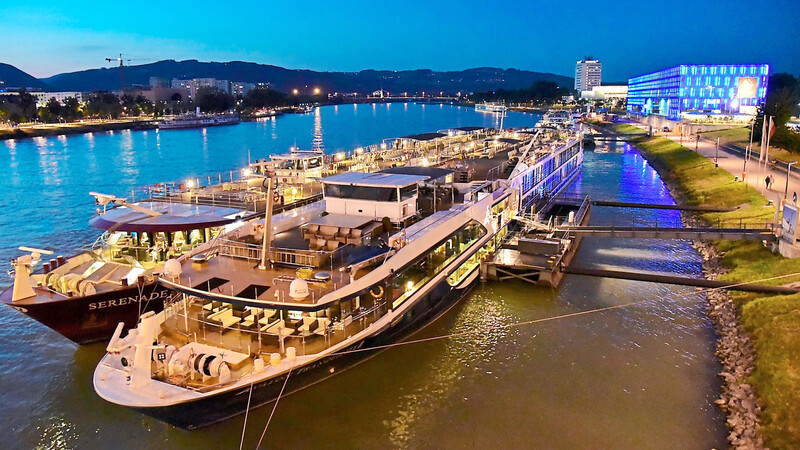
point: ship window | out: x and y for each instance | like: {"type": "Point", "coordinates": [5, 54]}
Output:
{"type": "Point", "coordinates": [408, 192]}
{"type": "Point", "coordinates": [361, 193]}
{"type": "Point", "coordinates": [314, 163]}
{"type": "Point", "coordinates": [424, 268]}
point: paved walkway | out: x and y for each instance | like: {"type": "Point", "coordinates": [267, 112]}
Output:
{"type": "Point", "coordinates": [733, 162]}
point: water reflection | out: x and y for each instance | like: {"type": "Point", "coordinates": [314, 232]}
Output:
{"type": "Point", "coordinates": [40, 405]}
{"type": "Point", "coordinates": [461, 357]}
{"type": "Point", "coordinates": [316, 143]}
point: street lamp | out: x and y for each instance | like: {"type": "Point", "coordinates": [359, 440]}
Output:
{"type": "Point", "coordinates": [788, 172]}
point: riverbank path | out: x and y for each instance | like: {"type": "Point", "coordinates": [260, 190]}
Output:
{"type": "Point", "coordinates": [733, 162]}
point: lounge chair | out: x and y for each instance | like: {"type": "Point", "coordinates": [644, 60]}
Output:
{"type": "Point", "coordinates": [322, 328]}
{"type": "Point", "coordinates": [270, 325]}
{"type": "Point", "coordinates": [226, 319]}
{"type": "Point", "coordinates": [268, 318]}
{"type": "Point", "coordinates": [308, 326]}
{"type": "Point", "coordinates": [354, 237]}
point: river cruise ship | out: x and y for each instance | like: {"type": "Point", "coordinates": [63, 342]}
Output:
{"type": "Point", "coordinates": [85, 296]}
{"type": "Point", "coordinates": [490, 107]}
{"type": "Point", "coordinates": [381, 255]}
{"type": "Point", "coordinates": [297, 174]}
{"type": "Point", "coordinates": [198, 120]}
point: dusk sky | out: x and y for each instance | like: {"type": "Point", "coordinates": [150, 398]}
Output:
{"type": "Point", "coordinates": [44, 38]}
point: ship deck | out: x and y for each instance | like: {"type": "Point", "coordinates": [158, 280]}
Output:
{"type": "Point", "coordinates": [195, 323]}
{"type": "Point", "coordinates": [241, 278]}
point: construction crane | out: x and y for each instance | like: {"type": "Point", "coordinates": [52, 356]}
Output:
{"type": "Point", "coordinates": [121, 70]}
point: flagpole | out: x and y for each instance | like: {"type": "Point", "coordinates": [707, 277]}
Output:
{"type": "Point", "coordinates": [748, 151]}
{"type": "Point", "coordinates": [761, 154]}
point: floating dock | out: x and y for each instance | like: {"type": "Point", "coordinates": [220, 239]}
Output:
{"type": "Point", "coordinates": [538, 252]}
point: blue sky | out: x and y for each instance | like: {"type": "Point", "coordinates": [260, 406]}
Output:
{"type": "Point", "coordinates": [45, 37]}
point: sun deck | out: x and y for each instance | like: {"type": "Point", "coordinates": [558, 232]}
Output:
{"type": "Point", "coordinates": [254, 331]}
{"type": "Point", "coordinates": [227, 276]}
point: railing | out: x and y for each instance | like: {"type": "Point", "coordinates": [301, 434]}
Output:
{"type": "Point", "coordinates": [676, 222]}
{"type": "Point", "coordinates": [294, 257]}
{"type": "Point", "coordinates": [581, 213]}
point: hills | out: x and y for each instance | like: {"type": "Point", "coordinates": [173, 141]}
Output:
{"type": "Point", "coordinates": [363, 82]}
{"type": "Point", "coordinates": [13, 77]}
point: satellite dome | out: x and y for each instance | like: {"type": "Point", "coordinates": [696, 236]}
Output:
{"type": "Point", "coordinates": [298, 289]}
{"type": "Point", "coordinates": [172, 268]}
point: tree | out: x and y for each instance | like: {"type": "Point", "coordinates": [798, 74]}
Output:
{"type": "Point", "coordinates": [50, 112]}
{"type": "Point", "coordinates": [27, 104]}
{"type": "Point", "coordinates": [71, 109]}
{"type": "Point", "coordinates": [212, 100]}
{"type": "Point", "coordinates": [264, 98]}
{"type": "Point", "coordinates": [782, 97]}
{"type": "Point", "coordinates": [144, 105]}
{"type": "Point", "coordinates": [539, 91]}
{"type": "Point", "coordinates": [104, 104]}
{"type": "Point", "coordinates": [783, 94]}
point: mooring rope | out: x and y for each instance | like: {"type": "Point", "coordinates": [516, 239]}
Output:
{"type": "Point", "coordinates": [744, 283]}
{"type": "Point", "coordinates": [500, 327]}
{"type": "Point", "coordinates": [274, 407]}
{"type": "Point", "coordinates": [473, 331]}
{"type": "Point", "coordinates": [547, 319]}
{"type": "Point", "coordinates": [246, 412]}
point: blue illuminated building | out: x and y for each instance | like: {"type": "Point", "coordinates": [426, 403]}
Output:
{"type": "Point", "coordinates": [720, 89]}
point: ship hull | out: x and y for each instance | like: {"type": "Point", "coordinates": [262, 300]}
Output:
{"type": "Point", "coordinates": [187, 125]}
{"type": "Point", "coordinates": [215, 408]}
{"type": "Point", "coordinates": [95, 317]}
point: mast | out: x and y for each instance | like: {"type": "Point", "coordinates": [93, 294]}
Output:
{"type": "Point", "coordinates": [265, 250]}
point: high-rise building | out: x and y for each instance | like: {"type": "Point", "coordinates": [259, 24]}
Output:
{"type": "Point", "coordinates": [241, 88]}
{"type": "Point", "coordinates": [588, 74]}
{"type": "Point", "coordinates": [181, 84]}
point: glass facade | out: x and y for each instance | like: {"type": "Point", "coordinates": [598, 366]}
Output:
{"type": "Point", "coordinates": [710, 89]}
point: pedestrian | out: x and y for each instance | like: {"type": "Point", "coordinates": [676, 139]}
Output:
{"type": "Point", "coordinates": [767, 181]}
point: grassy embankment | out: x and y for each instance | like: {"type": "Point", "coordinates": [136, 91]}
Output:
{"type": "Point", "coordinates": [773, 322]}
{"type": "Point", "coordinates": [741, 138]}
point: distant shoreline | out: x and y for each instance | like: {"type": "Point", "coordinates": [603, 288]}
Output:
{"type": "Point", "coordinates": [55, 129]}
{"type": "Point", "coordinates": [45, 130]}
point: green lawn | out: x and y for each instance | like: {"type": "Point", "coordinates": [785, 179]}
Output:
{"type": "Point", "coordinates": [741, 137]}
{"type": "Point", "coordinates": [738, 136]}
{"type": "Point", "coordinates": [773, 322]}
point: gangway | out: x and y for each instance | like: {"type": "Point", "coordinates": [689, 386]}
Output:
{"type": "Point", "coordinates": [693, 233]}
{"type": "Point", "coordinates": [680, 280]}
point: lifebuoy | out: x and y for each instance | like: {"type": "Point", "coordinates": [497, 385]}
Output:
{"type": "Point", "coordinates": [378, 294]}
{"type": "Point", "coordinates": [276, 197]}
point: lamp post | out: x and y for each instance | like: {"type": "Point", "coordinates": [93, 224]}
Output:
{"type": "Point", "coordinates": [716, 155]}
{"type": "Point", "coordinates": [788, 172]}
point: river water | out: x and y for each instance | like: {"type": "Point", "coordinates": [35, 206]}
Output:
{"type": "Point", "coordinates": [642, 376]}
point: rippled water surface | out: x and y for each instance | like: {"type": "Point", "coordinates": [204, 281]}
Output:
{"type": "Point", "coordinates": [641, 376]}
